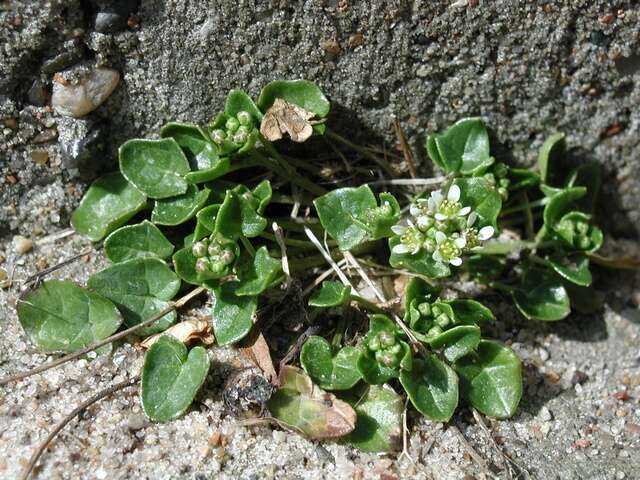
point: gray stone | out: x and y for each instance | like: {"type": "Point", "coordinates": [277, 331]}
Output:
{"type": "Point", "coordinates": [109, 22]}
{"type": "Point", "coordinates": [38, 93]}
{"type": "Point", "coordinates": [81, 146]}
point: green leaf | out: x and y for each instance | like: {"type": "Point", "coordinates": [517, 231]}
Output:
{"type": "Point", "coordinates": [201, 152]}
{"type": "Point", "coordinates": [491, 381]}
{"type": "Point", "coordinates": [259, 274]}
{"type": "Point", "coordinates": [482, 198]}
{"type": "Point", "coordinates": [588, 175]}
{"type": "Point", "coordinates": [421, 263]}
{"type": "Point", "coordinates": [238, 101]}
{"type": "Point", "coordinates": [470, 312]}
{"type": "Point", "coordinates": [434, 154]}
{"type": "Point", "coordinates": [551, 153]}
{"type": "Point", "coordinates": [232, 314]}
{"type": "Point", "coordinates": [379, 424]}
{"type": "Point", "coordinates": [484, 267]}
{"type": "Point", "coordinates": [176, 210]}
{"type": "Point", "coordinates": [184, 263]}
{"type": "Point", "coordinates": [576, 230]}
{"type": "Point", "coordinates": [432, 387]}
{"type": "Point", "coordinates": [542, 296]}
{"type": "Point", "coordinates": [331, 294]}
{"type": "Point", "coordinates": [572, 267]}
{"type": "Point", "coordinates": [560, 204]}
{"type": "Point", "coordinates": [108, 204]}
{"type": "Point", "coordinates": [62, 316]}
{"type": "Point", "coordinates": [585, 300]}
{"type": "Point", "coordinates": [328, 370]}
{"type": "Point", "coordinates": [522, 178]}
{"type": "Point", "coordinates": [207, 217]}
{"type": "Point", "coordinates": [137, 241]}
{"type": "Point", "coordinates": [238, 215]}
{"type": "Point", "coordinates": [457, 341]}
{"type": "Point", "coordinates": [462, 147]}
{"type": "Point", "coordinates": [305, 407]}
{"type": "Point", "coordinates": [262, 194]}
{"type": "Point", "coordinates": [303, 93]}
{"type": "Point", "coordinates": [155, 167]}
{"type": "Point", "coordinates": [140, 288]}
{"type": "Point", "coordinates": [171, 378]}
{"type": "Point", "coordinates": [418, 289]}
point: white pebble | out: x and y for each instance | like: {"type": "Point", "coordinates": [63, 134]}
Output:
{"type": "Point", "coordinates": [76, 100]}
{"type": "Point", "coordinates": [545, 414]}
{"type": "Point", "coordinates": [22, 244]}
{"type": "Point", "coordinates": [101, 473]}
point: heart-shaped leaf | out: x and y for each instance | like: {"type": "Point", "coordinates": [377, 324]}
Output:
{"type": "Point", "coordinates": [207, 217]}
{"type": "Point", "coordinates": [140, 288]}
{"type": "Point", "coordinates": [258, 274]}
{"type": "Point", "coordinates": [232, 315]}
{"type": "Point", "coordinates": [421, 263]}
{"type": "Point", "coordinates": [491, 381]}
{"type": "Point", "coordinates": [302, 93]}
{"type": "Point", "coordinates": [462, 147]}
{"type": "Point", "coordinates": [331, 294]}
{"type": "Point", "coordinates": [171, 378]}
{"type": "Point", "coordinates": [238, 215]}
{"type": "Point", "coordinates": [379, 423]}
{"type": "Point", "coordinates": [457, 342]}
{"type": "Point", "coordinates": [573, 267]}
{"type": "Point", "coordinates": [62, 316]}
{"type": "Point", "coordinates": [108, 204]}
{"type": "Point", "coordinates": [483, 199]}
{"type": "Point", "coordinates": [470, 312]}
{"type": "Point", "coordinates": [328, 370]}
{"type": "Point", "coordinates": [137, 241]}
{"type": "Point", "coordinates": [156, 167]}
{"type": "Point", "coordinates": [542, 296]}
{"type": "Point", "coordinates": [238, 101]}
{"type": "Point", "coordinates": [305, 407]}
{"type": "Point", "coordinates": [551, 153]}
{"type": "Point", "coordinates": [176, 210]}
{"type": "Point", "coordinates": [432, 387]}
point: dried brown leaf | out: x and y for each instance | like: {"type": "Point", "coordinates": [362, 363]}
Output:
{"type": "Point", "coordinates": [256, 350]}
{"type": "Point", "coordinates": [187, 332]}
{"type": "Point", "coordinates": [284, 117]}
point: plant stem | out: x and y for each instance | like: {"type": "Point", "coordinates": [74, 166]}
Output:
{"type": "Point", "coordinates": [289, 242]}
{"type": "Point", "coordinates": [383, 163]}
{"type": "Point", "coordinates": [94, 346]}
{"type": "Point", "coordinates": [74, 413]}
{"type": "Point", "coordinates": [292, 176]}
{"type": "Point", "coordinates": [367, 304]}
{"type": "Point", "coordinates": [247, 244]}
{"type": "Point", "coordinates": [524, 206]}
{"type": "Point", "coordinates": [503, 287]}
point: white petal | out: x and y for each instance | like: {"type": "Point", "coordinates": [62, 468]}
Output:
{"type": "Point", "coordinates": [440, 237]}
{"type": "Point", "coordinates": [422, 221]}
{"type": "Point", "coordinates": [398, 229]}
{"type": "Point", "coordinates": [414, 210]}
{"type": "Point", "coordinates": [410, 223]}
{"type": "Point", "coordinates": [437, 197]}
{"type": "Point", "coordinates": [423, 201]}
{"type": "Point", "coordinates": [464, 211]}
{"type": "Point", "coordinates": [454, 193]}
{"type": "Point", "coordinates": [471, 219]}
{"type": "Point", "coordinates": [416, 250]}
{"type": "Point", "coordinates": [436, 256]}
{"type": "Point", "coordinates": [456, 261]}
{"type": "Point", "coordinates": [441, 217]}
{"type": "Point", "coordinates": [401, 248]}
{"type": "Point", "coordinates": [486, 233]}
{"type": "Point", "coordinates": [460, 242]}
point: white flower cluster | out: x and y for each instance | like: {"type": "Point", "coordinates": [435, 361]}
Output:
{"type": "Point", "coordinates": [443, 227]}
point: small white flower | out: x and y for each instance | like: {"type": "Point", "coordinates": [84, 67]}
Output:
{"type": "Point", "coordinates": [471, 219]}
{"type": "Point", "coordinates": [398, 229]}
{"type": "Point", "coordinates": [456, 261]}
{"type": "Point", "coordinates": [415, 210]}
{"type": "Point", "coordinates": [460, 242]}
{"type": "Point", "coordinates": [454, 193]}
{"type": "Point", "coordinates": [440, 237]}
{"type": "Point", "coordinates": [485, 233]}
{"type": "Point", "coordinates": [401, 248]}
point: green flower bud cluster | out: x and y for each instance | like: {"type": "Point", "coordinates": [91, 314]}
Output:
{"type": "Point", "coordinates": [576, 229]}
{"type": "Point", "coordinates": [214, 256]}
{"type": "Point", "coordinates": [387, 348]}
{"type": "Point", "coordinates": [433, 318]}
{"type": "Point", "coordinates": [499, 179]}
{"type": "Point", "coordinates": [236, 129]}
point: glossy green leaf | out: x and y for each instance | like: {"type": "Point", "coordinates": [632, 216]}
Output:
{"type": "Point", "coordinates": [418, 289]}
{"type": "Point", "coordinates": [560, 204]}
{"type": "Point", "coordinates": [217, 168]}
{"type": "Point", "coordinates": [588, 175]}
{"type": "Point", "coordinates": [108, 204]}
{"type": "Point", "coordinates": [303, 93]}
{"type": "Point", "coordinates": [379, 425]}
{"type": "Point", "coordinates": [232, 314]}
{"type": "Point", "coordinates": [572, 267]}
{"type": "Point", "coordinates": [140, 288]}
{"type": "Point", "coordinates": [432, 387]}
{"type": "Point", "coordinates": [482, 198]}
{"type": "Point", "coordinates": [176, 210]}
{"type": "Point", "coordinates": [491, 381]}
{"type": "Point", "coordinates": [156, 167]}
{"type": "Point", "coordinates": [462, 147]}
{"type": "Point", "coordinates": [329, 370]}
{"type": "Point", "coordinates": [238, 101]}
{"type": "Point", "coordinates": [207, 217]}
{"type": "Point", "coordinates": [238, 215]}
{"type": "Point", "coordinates": [259, 273]}
{"type": "Point", "coordinates": [62, 316]}
{"type": "Point", "coordinates": [542, 296]}
{"type": "Point", "coordinates": [575, 228]}
{"type": "Point", "coordinates": [470, 312]}
{"type": "Point", "coordinates": [434, 154]}
{"type": "Point", "coordinates": [551, 153]}
{"type": "Point", "coordinates": [457, 342]}
{"type": "Point", "coordinates": [171, 378]}
{"type": "Point", "coordinates": [184, 264]}
{"type": "Point", "coordinates": [421, 263]}
{"type": "Point", "coordinates": [522, 178]}
{"type": "Point", "coordinates": [305, 407]}
{"type": "Point", "coordinates": [262, 194]}
{"type": "Point", "coordinates": [330, 294]}
{"type": "Point", "coordinates": [137, 241]}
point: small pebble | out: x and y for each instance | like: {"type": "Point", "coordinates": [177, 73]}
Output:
{"type": "Point", "coordinates": [544, 355]}
{"type": "Point", "coordinates": [545, 414]}
{"type": "Point", "coordinates": [22, 245]}
{"type": "Point", "coordinates": [101, 473]}
{"type": "Point", "coordinates": [135, 422]}
{"type": "Point", "coordinates": [4, 279]}
{"type": "Point", "coordinates": [40, 156]}
{"type": "Point", "coordinates": [76, 100]}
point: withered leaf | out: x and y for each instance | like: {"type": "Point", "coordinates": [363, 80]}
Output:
{"type": "Point", "coordinates": [284, 117]}
{"type": "Point", "coordinates": [254, 347]}
{"type": "Point", "coordinates": [305, 407]}
{"type": "Point", "coordinates": [186, 332]}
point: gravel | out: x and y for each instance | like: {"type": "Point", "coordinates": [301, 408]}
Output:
{"type": "Point", "coordinates": [528, 68]}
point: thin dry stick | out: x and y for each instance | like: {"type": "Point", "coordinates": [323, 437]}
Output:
{"type": "Point", "coordinates": [177, 304]}
{"type": "Point", "coordinates": [320, 278]}
{"type": "Point", "coordinates": [56, 236]}
{"type": "Point", "coordinates": [38, 275]}
{"type": "Point", "coordinates": [343, 278]}
{"type": "Point", "coordinates": [406, 151]}
{"type": "Point", "coordinates": [405, 434]}
{"type": "Point", "coordinates": [283, 248]}
{"type": "Point", "coordinates": [410, 181]}
{"type": "Point", "coordinates": [74, 413]}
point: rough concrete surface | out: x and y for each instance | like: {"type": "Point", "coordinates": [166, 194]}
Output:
{"type": "Point", "coordinates": [528, 68]}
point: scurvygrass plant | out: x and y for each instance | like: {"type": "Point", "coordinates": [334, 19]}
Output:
{"type": "Point", "coordinates": [195, 207]}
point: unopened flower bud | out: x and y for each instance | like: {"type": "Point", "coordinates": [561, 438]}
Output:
{"type": "Point", "coordinates": [424, 309]}
{"type": "Point", "coordinates": [584, 243]}
{"type": "Point", "coordinates": [244, 118]}
{"type": "Point", "coordinates": [232, 125]}
{"type": "Point", "coordinates": [442, 320]}
{"type": "Point", "coordinates": [395, 349]}
{"type": "Point", "coordinates": [227, 256]}
{"type": "Point", "coordinates": [389, 360]}
{"type": "Point", "coordinates": [214, 248]}
{"type": "Point", "coordinates": [240, 138]}
{"type": "Point", "coordinates": [218, 136]}
{"type": "Point", "coordinates": [374, 344]}
{"type": "Point", "coordinates": [434, 331]}
{"type": "Point", "coordinates": [199, 249]}
{"type": "Point", "coordinates": [387, 339]}
{"type": "Point", "coordinates": [203, 265]}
